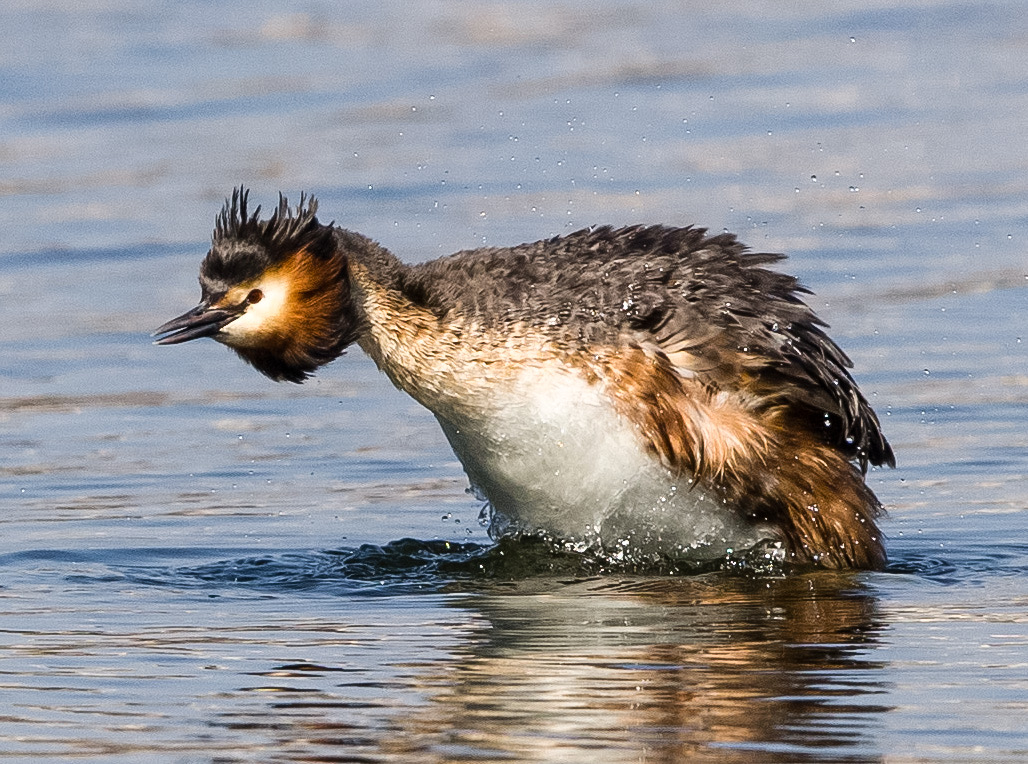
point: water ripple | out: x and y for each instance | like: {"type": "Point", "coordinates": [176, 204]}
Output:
{"type": "Point", "coordinates": [410, 566]}
{"type": "Point", "coordinates": [969, 563]}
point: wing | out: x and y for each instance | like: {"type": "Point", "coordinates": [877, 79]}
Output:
{"type": "Point", "coordinates": [723, 319]}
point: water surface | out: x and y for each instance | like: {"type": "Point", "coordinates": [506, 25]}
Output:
{"type": "Point", "coordinates": [198, 565]}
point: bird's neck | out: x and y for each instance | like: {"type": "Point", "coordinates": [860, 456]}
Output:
{"type": "Point", "coordinates": [381, 309]}
{"type": "Point", "coordinates": [447, 361]}
{"type": "Point", "coordinates": [401, 336]}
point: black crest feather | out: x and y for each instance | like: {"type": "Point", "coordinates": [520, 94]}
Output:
{"type": "Point", "coordinates": [244, 246]}
{"type": "Point", "coordinates": [285, 224]}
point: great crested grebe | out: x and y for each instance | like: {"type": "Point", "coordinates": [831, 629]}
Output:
{"type": "Point", "coordinates": [644, 391]}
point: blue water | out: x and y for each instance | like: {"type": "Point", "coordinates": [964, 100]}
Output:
{"type": "Point", "coordinates": [199, 565]}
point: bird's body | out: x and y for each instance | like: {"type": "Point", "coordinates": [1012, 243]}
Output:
{"type": "Point", "coordinates": [647, 391]}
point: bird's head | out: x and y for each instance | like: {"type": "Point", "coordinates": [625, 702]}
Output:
{"type": "Point", "coordinates": [276, 291]}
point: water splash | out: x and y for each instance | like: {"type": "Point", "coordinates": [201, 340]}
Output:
{"type": "Point", "coordinates": [408, 566]}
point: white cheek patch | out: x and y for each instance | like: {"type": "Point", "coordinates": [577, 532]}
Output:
{"type": "Point", "coordinates": [260, 317]}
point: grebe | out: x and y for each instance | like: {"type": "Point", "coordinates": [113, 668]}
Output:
{"type": "Point", "coordinates": [644, 391]}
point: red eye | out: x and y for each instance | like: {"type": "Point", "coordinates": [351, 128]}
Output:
{"type": "Point", "coordinates": [256, 295]}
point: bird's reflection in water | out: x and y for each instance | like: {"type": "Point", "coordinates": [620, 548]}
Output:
{"type": "Point", "coordinates": [665, 670]}
{"type": "Point", "coordinates": [560, 667]}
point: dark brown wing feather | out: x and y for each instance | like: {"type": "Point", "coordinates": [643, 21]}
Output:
{"type": "Point", "coordinates": [758, 334]}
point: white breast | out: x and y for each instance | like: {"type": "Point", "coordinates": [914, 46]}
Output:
{"type": "Point", "coordinates": [553, 457]}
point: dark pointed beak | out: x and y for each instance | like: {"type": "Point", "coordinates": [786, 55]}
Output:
{"type": "Point", "coordinates": [201, 321]}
